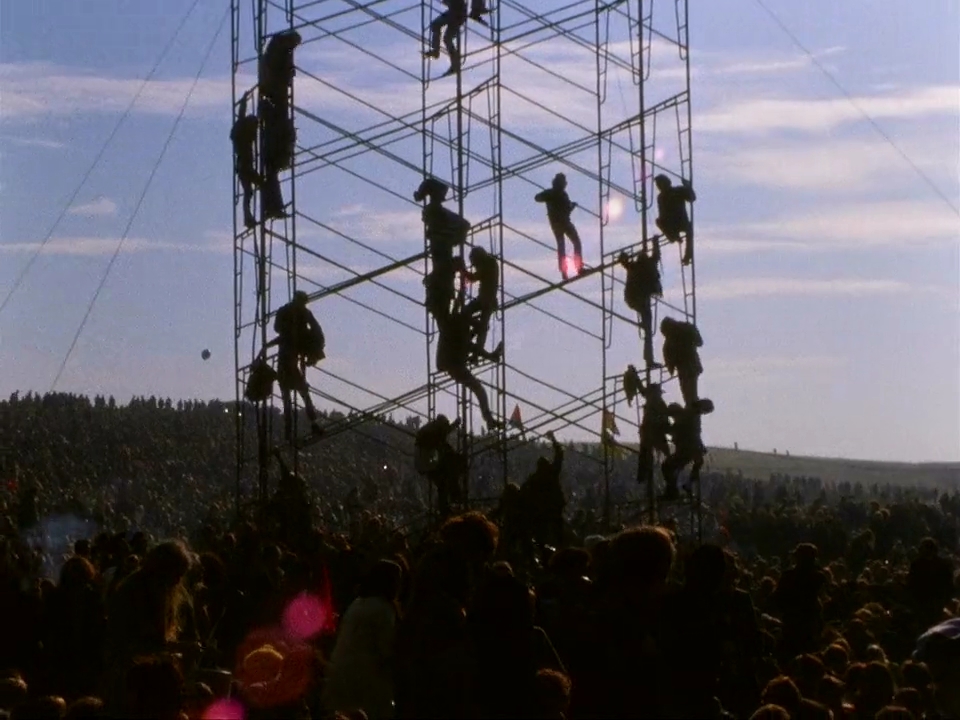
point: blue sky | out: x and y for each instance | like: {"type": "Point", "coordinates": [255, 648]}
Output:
{"type": "Point", "coordinates": [827, 269]}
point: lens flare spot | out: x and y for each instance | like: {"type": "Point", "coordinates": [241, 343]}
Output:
{"type": "Point", "coordinates": [614, 208]}
{"type": "Point", "coordinates": [224, 710]}
{"type": "Point", "coordinates": [659, 154]}
{"type": "Point", "coordinates": [305, 617]}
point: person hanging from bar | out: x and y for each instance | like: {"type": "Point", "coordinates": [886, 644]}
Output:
{"type": "Point", "coordinates": [454, 350]}
{"type": "Point", "coordinates": [243, 135]}
{"type": "Point", "coordinates": [299, 342]}
{"type": "Point", "coordinates": [486, 272]}
{"type": "Point", "coordinates": [559, 208]}
{"type": "Point", "coordinates": [688, 447]}
{"type": "Point", "coordinates": [437, 460]}
{"type": "Point", "coordinates": [276, 73]}
{"type": "Point", "coordinates": [681, 355]}
{"type": "Point", "coordinates": [641, 286]}
{"type": "Point", "coordinates": [445, 230]}
{"type": "Point", "coordinates": [673, 220]}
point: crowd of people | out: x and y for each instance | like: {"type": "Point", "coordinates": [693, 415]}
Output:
{"type": "Point", "coordinates": [132, 585]}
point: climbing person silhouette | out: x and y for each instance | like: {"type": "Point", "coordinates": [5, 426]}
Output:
{"type": "Point", "coordinates": [437, 460]}
{"type": "Point", "coordinates": [559, 208]}
{"type": "Point", "coordinates": [299, 341]}
{"type": "Point", "coordinates": [243, 135]}
{"type": "Point", "coordinates": [486, 272]}
{"type": "Point", "coordinates": [543, 499]}
{"type": "Point", "coordinates": [673, 220]}
{"type": "Point", "coordinates": [681, 356]}
{"type": "Point", "coordinates": [445, 230]}
{"type": "Point", "coordinates": [453, 19]}
{"type": "Point", "coordinates": [688, 447]}
{"type": "Point", "coordinates": [454, 352]}
{"type": "Point", "coordinates": [641, 286]}
{"type": "Point", "coordinates": [277, 68]}
{"type": "Point", "coordinates": [654, 427]}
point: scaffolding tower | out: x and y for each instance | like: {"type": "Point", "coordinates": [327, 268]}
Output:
{"type": "Point", "coordinates": [599, 91]}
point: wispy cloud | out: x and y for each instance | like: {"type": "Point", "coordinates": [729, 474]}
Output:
{"type": "Point", "coordinates": [30, 141]}
{"type": "Point", "coordinates": [763, 366]}
{"type": "Point", "coordinates": [761, 287]}
{"type": "Point", "coordinates": [100, 207]}
{"type": "Point", "coordinates": [94, 246]}
{"type": "Point", "coordinates": [757, 115]}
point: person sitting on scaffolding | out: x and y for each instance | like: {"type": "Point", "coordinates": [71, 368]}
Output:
{"type": "Point", "coordinates": [453, 19]}
{"type": "Point", "coordinates": [681, 355]}
{"type": "Point", "coordinates": [454, 352]}
{"type": "Point", "coordinates": [688, 447]}
{"type": "Point", "coordinates": [641, 286]}
{"type": "Point", "coordinates": [445, 231]}
{"type": "Point", "coordinates": [486, 272]}
{"type": "Point", "coordinates": [243, 135]}
{"type": "Point", "coordinates": [673, 220]}
{"type": "Point", "coordinates": [300, 342]}
{"type": "Point", "coordinates": [437, 460]}
{"type": "Point", "coordinates": [559, 208]}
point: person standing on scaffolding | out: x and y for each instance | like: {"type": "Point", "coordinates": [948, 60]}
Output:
{"type": "Point", "coordinates": [243, 135]}
{"type": "Point", "coordinates": [299, 342]}
{"type": "Point", "coordinates": [641, 286]}
{"type": "Point", "coordinates": [681, 355]}
{"type": "Point", "coordinates": [276, 78]}
{"type": "Point", "coordinates": [486, 272]}
{"type": "Point", "coordinates": [673, 220]}
{"type": "Point", "coordinates": [453, 19]}
{"type": "Point", "coordinates": [559, 208]}
{"type": "Point", "coordinates": [445, 231]}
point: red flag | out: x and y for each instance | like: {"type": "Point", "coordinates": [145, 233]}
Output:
{"type": "Point", "coordinates": [515, 419]}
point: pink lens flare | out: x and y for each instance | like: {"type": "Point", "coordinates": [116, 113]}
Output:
{"type": "Point", "coordinates": [571, 266]}
{"type": "Point", "coordinates": [306, 617]}
{"type": "Point", "coordinates": [224, 710]}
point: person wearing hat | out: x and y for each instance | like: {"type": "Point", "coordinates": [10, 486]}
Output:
{"type": "Point", "coordinates": [559, 208]}
{"type": "Point", "coordinates": [445, 231]}
{"type": "Point", "coordinates": [299, 340]}
{"type": "Point", "coordinates": [672, 219]}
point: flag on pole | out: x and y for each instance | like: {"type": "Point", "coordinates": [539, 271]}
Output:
{"type": "Point", "coordinates": [515, 419]}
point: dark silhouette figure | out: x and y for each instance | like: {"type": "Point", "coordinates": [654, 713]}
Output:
{"type": "Point", "coordinates": [453, 19]}
{"type": "Point", "coordinates": [486, 272]}
{"type": "Point", "coordinates": [559, 208]}
{"type": "Point", "coordinates": [688, 447]}
{"type": "Point", "coordinates": [797, 597]}
{"type": "Point", "coordinates": [654, 427]}
{"type": "Point", "coordinates": [299, 341]}
{"type": "Point", "coordinates": [930, 583]}
{"type": "Point", "coordinates": [681, 356]}
{"type": "Point", "coordinates": [277, 68]}
{"type": "Point", "coordinates": [543, 500]}
{"type": "Point", "coordinates": [279, 135]}
{"type": "Point", "coordinates": [445, 231]}
{"type": "Point", "coordinates": [438, 461]}
{"type": "Point", "coordinates": [454, 350]}
{"type": "Point", "coordinates": [673, 220]}
{"type": "Point", "coordinates": [243, 135]}
{"type": "Point", "coordinates": [641, 286]}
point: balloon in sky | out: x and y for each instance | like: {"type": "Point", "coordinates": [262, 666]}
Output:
{"type": "Point", "coordinates": [205, 354]}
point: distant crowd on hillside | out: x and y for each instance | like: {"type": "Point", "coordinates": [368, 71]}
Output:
{"type": "Point", "coordinates": [344, 597]}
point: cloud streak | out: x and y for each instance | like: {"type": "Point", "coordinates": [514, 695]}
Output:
{"type": "Point", "coordinates": [768, 287]}
{"type": "Point", "coordinates": [100, 207]}
{"type": "Point", "coordinates": [96, 246]}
